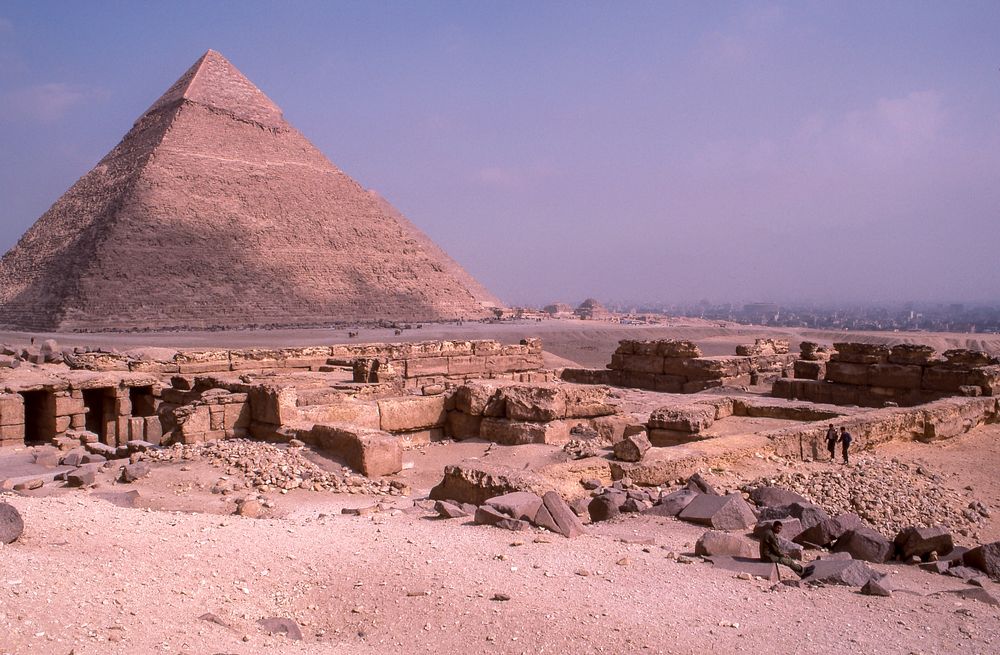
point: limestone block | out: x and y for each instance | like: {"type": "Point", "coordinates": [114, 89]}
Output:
{"type": "Point", "coordinates": [217, 415]}
{"type": "Point", "coordinates": [987, 378]}
{"type": "Point", "coordinates": [351, 412]}
{"type": "Point", "coordinates": [137, 429]}
{"type": "Point", "coordinates": [63, 423]}
{"type": "Point", "coordinates": [153, 430]}
{"type": "Point", "coordinates": [236, 415]}
{"type": "Point", "coordinates": [668, 383]}
{"type": "Point", "coordinates": [848, 372]}
{"type": "Point", "coordinates": [809, 370]}
{"type": "Point", "coordinates": [612, 428]}
{"type": "Point", "coordinates": [712, 368]}
{"type": "Point", "coordinates": [372, 452]}
{"type": "Point", "coordinates": [411, 413]}
{"type": "Point", "coordinates": [66, 405]}
{"type": "Point", "coordinates": [419, 437]}
{"type": "Point", "coordinates": [460, 425]}
{"type": "Point", "coordinates": [907, 353]}
{"type": "Point", "coordinates": [898, 376]}
{"type": "Point", "coordinates": [486, 347]}
{"type": "Point", "coordinates": [720, 512]}
{"type": "Point", "coordinates": [690, 418]}
{"type": "Point", "coordinates": [510, 363]}
{"type": "Point", "coordinates": [637, 380]}
{"type": "Point", "coordinates": [678, 348]}
{"type": "Point", "coordinates": [475, 481]}
{"type": "Point", "coordinates": [946, 378]}
{"type": "Point", "coordinates": [963, 358]}
{"type": "Point", "coordinates": [860, 353]}
{"type": "Point", "coordinates": [667, 438]}
{"type": "Point", "coordinates": [78, 421]}
{"type": "Point", "coordinates": [643, 363]}
{"type": "Point", "coordinates": [479, 398]}
{"type": "Point", "coordinates": [466, 365]}
{"type": "Point", "coordinates": [197, 420]}
{"type": "Point", "coordinates": [12, 434]}
{"type": "Point", "coordinates": [700, 385]}
{"type": "Point", "coordinates": [420, 367]}
{"type": "Point", "coordinates": [541, 402]}
{"type": "Point", "coordinates": [11, 409]}
{"type": "Point", "coordinates": [512, 433]}
{"type": "Point", "coordinates": [273, 404]}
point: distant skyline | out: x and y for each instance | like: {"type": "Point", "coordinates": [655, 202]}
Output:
{"type": "Point", "coordinates": [652, 152]}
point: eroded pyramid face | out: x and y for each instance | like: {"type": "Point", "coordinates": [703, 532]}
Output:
{"type": "Point", "coordinates": [214, 212]}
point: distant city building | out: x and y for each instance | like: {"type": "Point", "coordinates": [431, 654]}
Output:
{"type": "Point", "coordinates": [590, 309]}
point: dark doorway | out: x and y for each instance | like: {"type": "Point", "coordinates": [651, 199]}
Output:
{"type": "Point", "coordinates": [100, 405]}
{"type": "Point", "coordinates": [143, 401]}
{"type": "Point", "coordinates": [39, 416]}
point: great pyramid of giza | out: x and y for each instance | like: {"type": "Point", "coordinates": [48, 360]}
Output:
{"type": "Point", "coordinates": [214, 212]}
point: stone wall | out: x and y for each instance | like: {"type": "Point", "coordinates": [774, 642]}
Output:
{"type": "Point", "coordinates": [672, 366]}
{"type": "Point", "coordinates": [872, 375]}
{"type": "Point", "coordinates": [408, 364]}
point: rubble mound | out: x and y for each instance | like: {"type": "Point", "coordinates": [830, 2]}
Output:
{"type": "Point", "coordinates": [267, 467]}
{"type": "Point", "coordinates": [888, 495]}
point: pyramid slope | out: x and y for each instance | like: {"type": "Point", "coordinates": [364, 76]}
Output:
{"type": "Point", "coordinates": [200, 218]}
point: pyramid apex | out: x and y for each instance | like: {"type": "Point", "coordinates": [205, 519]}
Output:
{"type": "Point", "coordinates": [214, 82]}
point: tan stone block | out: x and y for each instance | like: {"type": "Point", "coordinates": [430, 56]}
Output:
{"type": "Point", "coordinates": [12, 432]}
{"type": "Point", "coordinates": [236, 415]}
{"type": "Point", "coordinates": [274, 405]}
{"type": "Point", "coordinates": [11, 409]}
{"type": "Point", "coordinates": [63, 423]}
{"type": "Point", "coordinates": [946, 378]}
{"type": "Point", "coordinates": [153, 430]}
{"type": "Point", "coordinates": [371, 452]}
{"type": "Point", "coordinates": [470, 365]}
{"type": "Point", "coordinates": [535, 402]}
{"type": "Point", "coordinates": [848, 373]}
{"type": "Point", "coordinates": [512, 433]}
{"type": "Point", "coordinates": [809, 370]}
{"type": "Point", "coordinates": [459, 425]}
{"type": "Point", "coordinates": [419, 437]}
{"type": "Point", "coordinates": [137, 428]}
{"type": "Point", "coordinates": [78, 421]}
{"type": "Point", "coordinates": [66, 405]}
{"type": "Point", "coordinates": [643, 363]}
{"type": "Point", "coordinates": [411, 413]}
{"type": "Point", "coordinates": [900, 376]}
{"type": "Point", "coordinates": [350, 412]}
{"type": "Point", "coordinates": [426, 366]}
{"type": "Point", "coordinates": [217, 417]}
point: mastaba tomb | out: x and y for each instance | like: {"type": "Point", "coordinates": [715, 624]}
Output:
{"type": "Point", "coordinates": [214, 212]}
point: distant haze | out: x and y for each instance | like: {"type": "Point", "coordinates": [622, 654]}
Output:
{"type": "Point", "coordinates": [661, 152]}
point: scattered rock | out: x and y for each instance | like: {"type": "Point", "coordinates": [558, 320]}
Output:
{"type": "Point", "coordinates": [720, 512]}
{"type": "Point", "coordinates": [11, 523]}
{"type": "Point", "coordinates": [986, 558]}
{"type": "Point", "coordinates": [849, 572]}
{"type": "Point", "coordinates": [132, 472]}
{"type": "Point", "coordinates": [881, 587]}
{"type": "Point", "coordinates": [714, 542]}
{"type": "Point", "coordinates": [673, 503]}
{"type": "Point", "coordinates": [632, 448]}
{"type": "Point", "coordinates": [280, 626]}
{"type": "Point", "coordinates": [697, 483]}
{"type": "Point", "coordinates": [775, 497]}
{"type": "Point", "coordinates": [864, 544]}
{"type": "Point", "coordinates": [448, 510]}
{"type": "Point", "coordinates": [921, 542]}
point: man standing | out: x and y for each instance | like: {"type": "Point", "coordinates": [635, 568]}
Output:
{"type": "Point", "coordinates": [770, 550]}
{"type": "Point", "coordinates": [831, 441]}
{"type": "Point", "coordinates": [845, 443]}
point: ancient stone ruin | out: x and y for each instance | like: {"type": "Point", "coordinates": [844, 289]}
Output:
{"type": "Point", "coordinates": [874, 375]}
{"type": "Point", "coordinates": [212, 199]}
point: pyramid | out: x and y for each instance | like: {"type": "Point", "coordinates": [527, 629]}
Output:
{"type": "Point", "coordinates": [214, 212]}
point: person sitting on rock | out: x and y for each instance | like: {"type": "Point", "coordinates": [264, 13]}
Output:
{"type": "Point", "coordinates": [831, 441]}
{"type": "Point", "coordinates": [770, 550]}
{"type": "Point", "coordinates": [845, 443]}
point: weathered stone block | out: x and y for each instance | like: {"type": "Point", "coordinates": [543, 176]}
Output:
{"type": "Point", "coordinates": [66, 405]}
{"type": "Point", "coordinates": [412, 413]}
{"type": "Point", "coordinates": [848, 372]}
{"type": "Point", "coordinates": [459, 425]}
{"type": "Point", "coordinates": [351, 412]}
{"type": "Point", "coordinates": [897, 376]}
{"type": "Point", "coordinates": [371, 452]}
{"type": "Point", "coordinates": [11, 409]}
{"type": "Point", "coordinates": [475, 481]}
{"type": "Point", "coordinates": [906, 353]}
{"type": "Point", "coordinates": [479, 398]}
{"type": "Point", "coordinates": [534, 402]}
{"type": "Point", "coordinates": [466, 365]}
{"type": "Point", "coordinates": [809, 370]}
{"type": "Point", "coordinates": [642, 363]}
{"type": "Point", "coordinates": [720, 512]}
{"type": "Point", "coordinates": [690, 418]}
{"type": "Point", "coordinates": [273, 404]}
{"type": "Point", "coordinates": [426, 366]}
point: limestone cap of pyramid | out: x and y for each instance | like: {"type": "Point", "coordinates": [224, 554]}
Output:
{"type": "Point", "coordinates": [214, 82]}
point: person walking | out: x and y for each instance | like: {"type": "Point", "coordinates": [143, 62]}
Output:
{"type": "Point", "coordinates": [770, 550]}
{"type": "Point", "coordinates": [845, 443]}
{"type": "Point", "coordinates": [831, 441]}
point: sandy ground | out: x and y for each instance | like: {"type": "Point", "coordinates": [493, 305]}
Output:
{"type": "Point", "coordinates": [92, 577]}
{"type": "Point", "coordinates": [587, 343]}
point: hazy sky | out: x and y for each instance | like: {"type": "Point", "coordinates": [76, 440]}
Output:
{"type": "Point", "coordinates": [627, 151]}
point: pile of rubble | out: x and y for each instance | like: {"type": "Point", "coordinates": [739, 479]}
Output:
{"type": "Point", "coordinates": [888, 495]}
{"type": "Point", "coordinates": [266, 467]}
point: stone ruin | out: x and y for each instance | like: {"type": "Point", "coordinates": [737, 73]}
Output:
{"type": "Point", "coordinates": [673, 366]}
{"type": "Point", "coordinates": [876, 375]}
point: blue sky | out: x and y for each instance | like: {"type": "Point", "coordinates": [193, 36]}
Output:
{"type": "Point", "coordinates": [628, 151]}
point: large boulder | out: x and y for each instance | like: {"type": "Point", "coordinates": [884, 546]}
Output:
{"type": "Point", "coordinates": [790, 527]}
{"type": "Point", "coordinates": [866, 544]}
{"type": "Point", "coordinates": [986, 558]}
{"type": "Point", "coordinates": [673, 503]}
{"type": "Point", "coordinates": [714, 542]}
{"type": "Point", "coordinates": [921, 542]}
{"type": "Point", "coordinates": [480, 398]}
{"type": "Point", "coordinates": [849, 572]}
{"type": "Point", "coordinates": [775, 497]}
{"type": "Point", "coordinates": [606, 506]}
{"type": "Point", "coordinates": [11, 523]}
{"type": "Point", "coordinates": [807, 514]}
{"type": "Point", "coordinates": [517, 504]}
{"type": "Point", "coordinates": [372, 452]}
{"type": "Point", "coordinates": [474, 482]}
{"type": "Point", "coordinates": [632, 448]}
{"type": "Point", "coordinates": [826, 532]}
{"type": "Point", "coordinates": [720, 512]}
